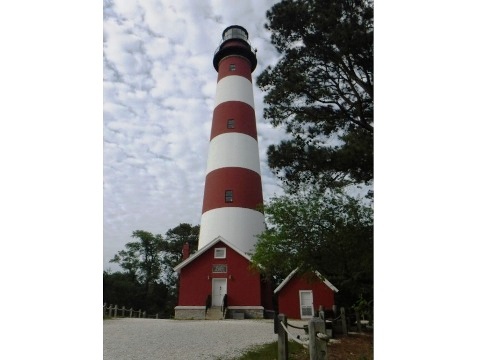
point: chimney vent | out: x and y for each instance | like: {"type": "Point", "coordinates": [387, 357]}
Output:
{"type": "Point", "coordinates": [185, 251]}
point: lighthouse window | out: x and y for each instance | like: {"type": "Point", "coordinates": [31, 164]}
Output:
{"type": "Point", "coordinates": [220, 253]}
{"type": "Point", "coordinates": [228, 196]}
{"type": "Point", "coordinates": [230, 123]}
{"type": "Point", "coordinates": [232, 67]}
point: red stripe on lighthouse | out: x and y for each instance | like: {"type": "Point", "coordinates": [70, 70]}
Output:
{"type": "Point", "coordinates": [243, 117]}
{"type": "Point", "coordinates": [242, 67]}
{"type": "Point", "coordinates": [245, 184]}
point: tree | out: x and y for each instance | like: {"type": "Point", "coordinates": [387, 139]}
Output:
{"type": "Point", "coordinates": [172, 256]}
{"type": "Point", "coordinates": [123, 290]}
{"type": "Point", "coordinates": [321, 90]}
{"type": "Point", "coordinates": [329, 232]}
{"type": "Point", "coordinates": [175, 239]}
{"type": "Point", "coordinates": [141, 260]}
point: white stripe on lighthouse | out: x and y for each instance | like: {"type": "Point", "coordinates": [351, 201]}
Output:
{"type": "Point", "coordinates": [234, 88]}
{"type": "Point", "coordinates": [238, 225]}
{"type": "Point", "coordinates": [233, 150]}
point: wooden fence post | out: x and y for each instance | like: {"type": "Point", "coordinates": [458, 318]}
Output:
{"type": "Point", "coordinates": [110, 310]}
{"type": "Point", "coordinates": [282, 338]}
{"type": "Point", "coordinates": [104, 309]}
{"type": "Point", "coordinates": [131, 311]}
{"type": "Point", "coordinates": [275, 323]}
{"type": "Point", "coordinates": [313, 343]}
{"type": "Point", "coordinates": [344, 321]}
{"type": "Point", "coordinates": [139, 312]}
{"type": "Point", "coordinates": [359, 324]}
{"type": "Point", "coordinates": [317, 347]}
{"type": "Point", "coordinates": [115, 311]}
{"type": "Point", "coordinates": [144, 314]}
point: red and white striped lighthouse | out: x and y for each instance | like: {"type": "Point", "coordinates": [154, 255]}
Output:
{"type": "Point", "coordinates": [217, 281]}
{"type": "Point", "coordinates": [233, 188]}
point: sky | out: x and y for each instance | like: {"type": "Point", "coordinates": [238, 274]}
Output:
{"type": "Point", "coordinates": [159, 89]}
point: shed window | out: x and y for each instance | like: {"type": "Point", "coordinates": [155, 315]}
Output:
{"type": "Point", "coordinates": [228, 196]}
{"type": "Point", "coordinates": [230, 123]}
{"type": "Point", "coordinates": [232, 67]}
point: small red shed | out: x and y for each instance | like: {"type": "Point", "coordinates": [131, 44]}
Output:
{"type": "Point", "coordinates": [299, 296]}
{"type": "Point", "coordinates": [217, 269]}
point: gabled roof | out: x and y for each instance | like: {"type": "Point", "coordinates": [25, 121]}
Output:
{"type": "Point", "coordinates": [290, 276]}
{"type": "Point", "coordinates": [205, 248]}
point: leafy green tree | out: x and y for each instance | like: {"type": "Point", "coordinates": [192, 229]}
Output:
{"type": "Point", "coordinates": [175, 239]}
{"type": "Point", "coordinates": [149, 282]}
{"type": "Point", "coordinates": [172, 256]}
{"type": "Point", "coordinates": [119, 288]}
{"type": "Point", "coordinates": [329, 232]}
{"type": "Point", "coordinates": [141, 260]}
{"type": "Point", "coordinates": [122, 289]}
{"type": "Point", "coordinates": [321, 91]}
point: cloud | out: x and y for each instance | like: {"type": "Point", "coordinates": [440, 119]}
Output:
{"type": "Point", "coordinates": [159, 90]}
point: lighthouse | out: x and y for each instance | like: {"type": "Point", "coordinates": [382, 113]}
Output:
{"type": "Point", "coordinates": [218, 276]}
{"type": "Point", "coordinates": [233, 188]}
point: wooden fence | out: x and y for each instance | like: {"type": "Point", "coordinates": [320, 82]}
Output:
{"type": "Point", "coordinates": [317, 335]}
{"type": "Point", "coordinates": [114, 311]}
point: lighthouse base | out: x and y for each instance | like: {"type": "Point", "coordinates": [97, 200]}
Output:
{"type": "Point", "coordinates": [233, 312]}
{"type": "Point", "coordinates": [245, 312]}
{"type": "Point", "coordinates": [190, 312]}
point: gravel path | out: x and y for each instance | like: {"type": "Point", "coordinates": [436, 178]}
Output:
{"type": "Point", "coordinates": [150, 339]}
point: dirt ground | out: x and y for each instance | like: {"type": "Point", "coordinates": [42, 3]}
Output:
{"type": "Point", "coordinates": [355, 346]}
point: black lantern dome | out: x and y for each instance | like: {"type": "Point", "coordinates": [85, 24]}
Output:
{"type": "Point", "coordinates": [235, 42]}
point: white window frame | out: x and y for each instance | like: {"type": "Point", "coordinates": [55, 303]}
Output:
{"type": "Point", "coordinates": [220, 253]}
{"type": "Point", "coordinates": [310, 306]}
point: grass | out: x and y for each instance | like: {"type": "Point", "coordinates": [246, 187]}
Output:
{"type": "Point", "coordinates": [270, 351]}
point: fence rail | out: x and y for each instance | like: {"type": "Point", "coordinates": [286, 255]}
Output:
{"type": "Point", "coordinates": [316, 341]}
{"type": "Point", "coordinates": [316, 337]}
{"type": "Point", "coordinates": [114, 311]}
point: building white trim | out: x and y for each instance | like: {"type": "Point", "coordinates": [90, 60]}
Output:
{"type": "Point", "coordinates": [289, 277]}
{"type": "Point", "coordinates": [205, 248]}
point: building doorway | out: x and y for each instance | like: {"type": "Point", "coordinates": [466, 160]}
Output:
{"type": "Point", "coordinates": [219, 289]}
